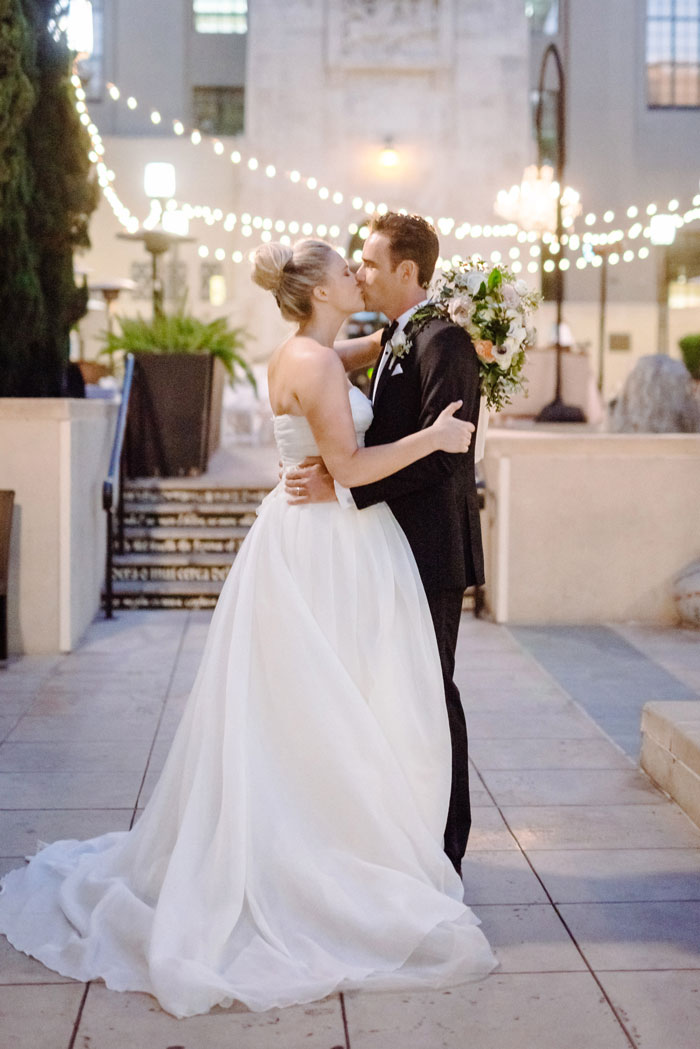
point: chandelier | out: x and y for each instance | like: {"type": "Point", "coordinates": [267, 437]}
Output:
{"type": "Point", "coordinates": [533, 204]}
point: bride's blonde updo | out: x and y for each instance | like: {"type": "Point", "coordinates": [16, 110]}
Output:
{"type": "Point", "coordinates": [292, 273]}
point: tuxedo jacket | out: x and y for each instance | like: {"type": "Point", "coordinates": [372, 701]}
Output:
{"type": "Point", "coordinates": [435, 499]}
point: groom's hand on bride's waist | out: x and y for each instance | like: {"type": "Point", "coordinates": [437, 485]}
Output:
{"type": "Point", "coordinates": [309, 482]}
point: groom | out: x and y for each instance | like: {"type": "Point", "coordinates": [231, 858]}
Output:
{"type": "Point", "coordinates": [434, 500]}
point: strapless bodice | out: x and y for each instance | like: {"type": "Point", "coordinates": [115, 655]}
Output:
{"type": "Point", "coordinates": [294, 438]}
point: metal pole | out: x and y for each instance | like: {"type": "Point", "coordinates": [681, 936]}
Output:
{"type": "Point", "coordinates": [108, 566]}
{"type": "Point", "coordinates": [556, 411]}
{"type": "Point", "coordinates": [603, 310]}
{"type": "Point", "coordinates": [662, 299]}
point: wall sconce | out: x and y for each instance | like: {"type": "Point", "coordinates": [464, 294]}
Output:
{"type": "Point", "coordinates": [389, 158]}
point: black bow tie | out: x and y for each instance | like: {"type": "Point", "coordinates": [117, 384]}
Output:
{"type": "Point", "coordinates": [388, 332]}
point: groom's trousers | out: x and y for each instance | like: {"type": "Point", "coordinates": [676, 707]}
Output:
{"type": "Point", "coordinates": [446, 610]}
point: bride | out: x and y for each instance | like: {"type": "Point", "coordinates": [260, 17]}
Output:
{"type": "Point", "coordinates": [293, 844]}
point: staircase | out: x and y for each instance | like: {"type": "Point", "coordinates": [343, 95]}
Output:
{"type": "Point", "coordinates": [180, 540]}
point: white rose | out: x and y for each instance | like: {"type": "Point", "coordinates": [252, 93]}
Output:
{"type": "Point", "coordinates": [510, 295]}
{"type": "Point", "coordinates": [474, 281]}
{"type": "Point", "coordinates": [517, 332]}
{"type": "Point", "coordinates": [521, 287]}
{"type": "Point", "coordinates": [461, 310]}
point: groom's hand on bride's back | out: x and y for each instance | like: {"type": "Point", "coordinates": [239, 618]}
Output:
{"type": "Point", "coordinates": [309, 482]}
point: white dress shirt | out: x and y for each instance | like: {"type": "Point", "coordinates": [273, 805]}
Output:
{"type": "Point", "coordinates": [344, 495]}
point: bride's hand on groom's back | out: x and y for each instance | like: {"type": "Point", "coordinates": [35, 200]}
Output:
{"type": "Point", "coordinates": [309, 482]}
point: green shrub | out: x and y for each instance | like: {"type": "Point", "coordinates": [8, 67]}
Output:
{"type": "Point", "coordinates": [690, 349]}
{"type": "Point", "coordinates": [180, 332]}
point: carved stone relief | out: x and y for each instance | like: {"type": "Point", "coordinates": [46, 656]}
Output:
{"type": "Point", "coordinates": [390, 34]}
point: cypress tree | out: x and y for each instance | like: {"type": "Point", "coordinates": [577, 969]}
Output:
{"type": "Point", "coordinates": [47, 193]}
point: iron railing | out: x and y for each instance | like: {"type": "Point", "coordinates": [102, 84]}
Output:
{"type": "Point", "coordinates": [113, 486]}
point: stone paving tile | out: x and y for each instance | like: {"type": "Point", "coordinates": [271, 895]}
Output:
{"type": "Point", "coordinates": [529, 938]}
{"type": "Point", "coordinates": [82, 728]}
{"type": "Point", "coordinates": [489, 832]}
{"type": "Point", "coordinates": [8, 723]}
{"type": "Point", "coordinates": [568, 723]}
{"type": "Point", "coordinates": [19, 968]}
{"type": "Point", "coordinates": [33, 1017]}
{"type": "Point", "coordinates": [129, 703]}
{"type": "Point", "coordinates": [9, 863]}
{"type": "Point", "coordinates": [505, 1011]}
{"type": "Point", "coordinates": [657, 935]}
{"type": "Point", "coordinates": [661, 1009]}
{"type": "Point", "coordinates": [130, 632]}
{"type": "Point", "coordinates": [511, 754]}
{"type": "Point", "coordinates": [571, 787]}
{"type": "Point", "coordinates": [128, 1021]}
{"type": "Point", "coordinates": [499, 877]}
{"type": "Point", "coordinates": [534, 702]}
{"type": "Point", "coordinates": [71, 756]}
{"type": "Point", "coordinates": [611, 875]}
{"type": "Point", "coordinates": [15, 705]}
{"type": "Point", "coordinates": [599, 827]}
{"type": "Point", "coordinates": [69, 790]}
{"type": "Point", "coordinates": [22, 830]}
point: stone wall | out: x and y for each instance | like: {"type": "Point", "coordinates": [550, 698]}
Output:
{"type": "Point", "coordinates": [589, 528]}
{"type": "Point", "coordinates": [54, 455]}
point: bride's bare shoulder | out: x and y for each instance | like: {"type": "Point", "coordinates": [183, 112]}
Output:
{"type": "Point", "coordinates": [309, 354]}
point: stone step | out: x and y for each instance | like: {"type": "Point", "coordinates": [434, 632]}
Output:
{"type": "Point", "coordinates": [171, 568]}
{"type": "Point", "coordinates": [174, 492]}
{"type": "Point", "coordinates": [194, 540]}
{"type": "Point", "coordinates": [190, 515]}
{"type": "Point", "coordinates": [166, 595]}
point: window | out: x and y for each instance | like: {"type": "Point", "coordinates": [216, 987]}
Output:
{"type": "Point", "coordinates": [543, 15]}
{"type": "Point", "coordinates": [673, 53]}
{"type": "Point", "coordinates": [89, 68]}
{"type": "Point", "coordinates": [218, 110]}
{"type": "Point", "coordinates": [220, 16]}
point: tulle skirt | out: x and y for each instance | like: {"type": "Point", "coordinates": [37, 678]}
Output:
{"type": "Point", "coordinates": [293, 844]}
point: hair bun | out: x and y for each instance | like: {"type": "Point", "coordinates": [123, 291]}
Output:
{"type": "Point", "coordinates": [268, 265]}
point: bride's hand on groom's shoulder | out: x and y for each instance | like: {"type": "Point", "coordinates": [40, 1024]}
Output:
{"type": "Point", "coordinates": [309, 482]}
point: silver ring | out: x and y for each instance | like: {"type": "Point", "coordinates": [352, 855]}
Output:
{"type": "Point", "coordinates": [298, 491]}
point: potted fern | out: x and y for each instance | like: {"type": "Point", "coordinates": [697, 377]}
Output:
{"type": "Point", "coordinates": [182, 363]}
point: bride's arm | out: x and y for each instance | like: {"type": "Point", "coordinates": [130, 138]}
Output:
{"type": "Point", "coordinates": [322, 392]}
{"type": "Point", "coordinates": [359, 353]}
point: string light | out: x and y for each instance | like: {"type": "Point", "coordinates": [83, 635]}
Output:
{"type": "Point", "coordinates": [448, 226]}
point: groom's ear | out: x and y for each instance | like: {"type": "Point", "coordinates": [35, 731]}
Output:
{"type": "Point", "coordinates": [408, 271]}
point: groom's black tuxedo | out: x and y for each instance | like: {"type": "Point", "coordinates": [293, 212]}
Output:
{"type": "Point", "coordinates": [436, 503]}
{"type": "Point", "coordinates": [435, 499]}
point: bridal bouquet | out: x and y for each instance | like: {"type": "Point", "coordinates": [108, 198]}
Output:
{"type": "Point", "coordinates": [496, 309]}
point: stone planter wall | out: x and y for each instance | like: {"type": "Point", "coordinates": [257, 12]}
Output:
{"type": "Point", "coordinates": [589, 528]}
{"type": "Point", "coordinates": [54, 453]}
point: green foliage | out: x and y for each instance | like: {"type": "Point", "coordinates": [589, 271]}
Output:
{"type": "Point", "coordinates": [180, 332]}
{"type": "Point", "coordinates": [690, 349]}
{"type": "Point", "coordinates": [47, 192]}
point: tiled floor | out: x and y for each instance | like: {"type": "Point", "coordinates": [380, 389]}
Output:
{"type": "Point", "coordinates": [586, 878]}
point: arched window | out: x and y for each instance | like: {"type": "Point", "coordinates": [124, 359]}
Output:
{"type": "Point", "coordinates": [673, 53]}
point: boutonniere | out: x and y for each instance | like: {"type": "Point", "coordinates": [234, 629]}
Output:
{"type": "Point", "coordinates": [401, 341]}
{"type": "Point", "coordinates": [399, 345]}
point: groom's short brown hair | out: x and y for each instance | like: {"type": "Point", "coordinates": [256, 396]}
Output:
{"type": "Point", "coordinates": [410, 237]}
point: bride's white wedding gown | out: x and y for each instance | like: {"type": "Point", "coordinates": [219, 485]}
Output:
{"type": "Point", "coordinates": [293, 844]}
